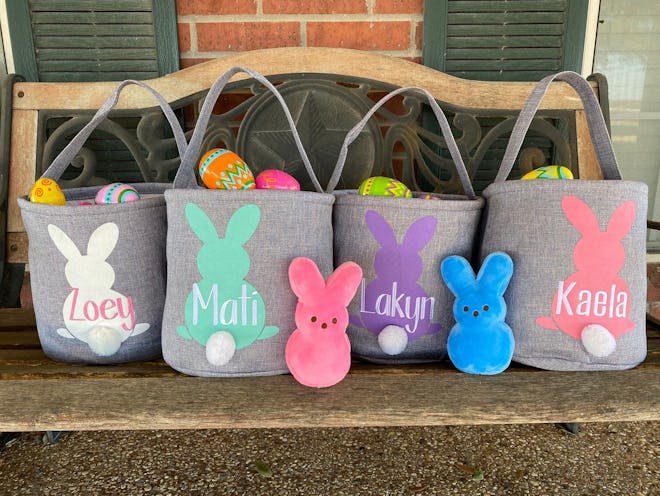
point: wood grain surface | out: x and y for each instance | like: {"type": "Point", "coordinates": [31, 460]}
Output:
{"type": "Point", "coordinates": [39, 394]}
{"type": "Point", "coordinates": [29, 98]}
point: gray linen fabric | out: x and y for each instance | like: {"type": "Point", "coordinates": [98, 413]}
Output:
{"type": "Point", "coordinates": [98, 271]}
{"type": "Point", "coordinates": [230, 309]}
{"type": "Point", "coordinates": [579, 254]}
{"type": "Point", "coordinates": [400, 244]}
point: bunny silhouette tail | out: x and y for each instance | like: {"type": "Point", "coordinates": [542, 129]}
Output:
{"type": "Point", "coordinates": [220, 348]}
{"type": "Point", "coordinates": [104, 340]}
{"type": "Point", "coordinates": [393, 339]}
{"type": "Point", "coordinates": [598, 341]}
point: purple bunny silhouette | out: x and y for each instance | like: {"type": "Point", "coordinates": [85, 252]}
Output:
{"type": "Point", "coordinates": [394, 299]}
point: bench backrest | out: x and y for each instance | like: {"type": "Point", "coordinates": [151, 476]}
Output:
{"type": "Point", "coordinates": [327, 89]}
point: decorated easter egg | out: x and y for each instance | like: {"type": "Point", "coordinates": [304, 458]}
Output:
{"type": "Point", "coordinates": [47, 191]}
{"type": "Point", "coordinates": [276, 179]}
{"type": "Point", "coordinates": [549, 172]}
{"type": "Point", "coordinates": [427, 196]}
{"type": "Point", "coordinates": [116, 193]}
{"type": "Point", "coordinates": [223, 169]}
{"type": "Point", "coordinates": [384, 186]}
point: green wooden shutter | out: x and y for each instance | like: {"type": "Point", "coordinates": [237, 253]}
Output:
{"type": "Point", "coordinates": [517, 40]}
{"type": "Point", "coordinates": [93, 40]}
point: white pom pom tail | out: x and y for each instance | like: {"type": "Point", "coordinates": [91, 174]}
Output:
{"type": "Point", "coordinates": [393, 339]}
{"type": "Point", "coordinates": [220, 348]}
{"type": "Point", "coordinates": [104, 340]}
{"type": "Point", "coordinates": [598, 341]}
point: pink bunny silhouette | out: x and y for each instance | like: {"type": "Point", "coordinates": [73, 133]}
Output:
{"type": "Point", "coordinates": [593, 303]}
{"type": "Point", "coordinates": [318, 353]}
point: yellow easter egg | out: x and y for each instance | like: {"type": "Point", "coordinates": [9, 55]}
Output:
{"type": "Point", "coordinates": [223, 169]}
{"type": "Point", "coordinates": [384, 186]}
{"type": "Point", "coordinates": [47, 191]}
{"type": "Point", "coordinates": [549, 172]}
{"type": "Point", "coordinates": [426, 196]}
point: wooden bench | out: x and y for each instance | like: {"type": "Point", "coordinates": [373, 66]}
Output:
{"type": "Point", "coordinates": [38, 394]}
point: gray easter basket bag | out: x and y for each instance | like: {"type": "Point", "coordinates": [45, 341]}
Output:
{"type": "Point", "coordinates": [229, 309]}
{"type": "Point", "coordinates": [98, 271]}
{"type": "Point", "coordinates": [402, 312]}
{"type": "Point", "coordinates": [577, 297]}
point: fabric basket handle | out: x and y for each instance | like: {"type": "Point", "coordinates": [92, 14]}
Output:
{"type": "Point", "coordinates": [444, 127]}
{"type": "Point", "coordinates": [595, 120]}
{"type": "Point", "coordinates": [185, 177]}
{"type": "Point", "coordinates": [66, 156]}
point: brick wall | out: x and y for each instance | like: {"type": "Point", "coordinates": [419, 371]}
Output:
{"type": "Point", "coordinates": [213, 28]}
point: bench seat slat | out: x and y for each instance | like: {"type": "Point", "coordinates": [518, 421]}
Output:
{"type": "Point", "coordinates": [41, 394]}
{"type": "Point", "coordinates": [365, 399]}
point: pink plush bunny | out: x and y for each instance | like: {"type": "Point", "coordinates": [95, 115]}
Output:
{"type": "Point", "coordinates": [318, 353]}
{"type": "Point", "coordinates": [593, 303]}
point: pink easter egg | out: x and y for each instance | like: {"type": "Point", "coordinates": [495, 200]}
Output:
{"type": "Point", "coordinates": [116, 193]}
{"type": "Point", "coordinates": [276, 179]}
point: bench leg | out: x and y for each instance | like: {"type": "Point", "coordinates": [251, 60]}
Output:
{"type": "Point", "coordinates": [5, 437]}
{"type": "Point", "coordinates": [10, 288]}
{"type": "Point", "coordinates": [572, 427]}
{"type": "Point", "coordinates": [52, 437]}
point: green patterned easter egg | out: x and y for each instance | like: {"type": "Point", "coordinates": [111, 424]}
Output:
{"type": "Point", "coordinates": [384, 186]}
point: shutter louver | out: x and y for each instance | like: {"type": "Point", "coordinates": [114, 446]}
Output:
{"type": "Point", "coordinates": [505, 39]}
{"type": "Point", "coordinates": [92, 40]}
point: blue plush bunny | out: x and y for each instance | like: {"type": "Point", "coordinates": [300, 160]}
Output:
{"type": "Point", "coordinates": [480, 342]}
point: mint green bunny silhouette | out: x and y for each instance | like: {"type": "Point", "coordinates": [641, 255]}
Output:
{"type": "Point", "coordinates": [224, 312]}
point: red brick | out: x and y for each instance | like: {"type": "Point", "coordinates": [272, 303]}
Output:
{"type": "Point", "coordinates": [183, 31]}
{"type": "Point", "coordinates": [314, 7]}
{"type": "Point", "coordinates": [359, 35]}
{"type": "Point", "coordinates": [239, 36]}
{"type": "Point", "coordinates": [399, 7]}
{"type": "Point", "coordinates": [190, 61]}
{"type": "Point", "coordinates": [653, 278]}
{"type": "Point", "coordinates": [215, 7]}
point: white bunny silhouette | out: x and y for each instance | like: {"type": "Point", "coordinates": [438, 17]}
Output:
{"type": "Point", "coordinates": [93, 312]}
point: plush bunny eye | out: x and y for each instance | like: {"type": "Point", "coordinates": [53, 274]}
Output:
{"type": "Point", "coordinates": [314, 318]}
{"type": "Point", "coordinates": [466, 308]}
{"type": "Point", "coordinates": [334, 320]}
{"type": "Point", "coordinates": [486, 308]}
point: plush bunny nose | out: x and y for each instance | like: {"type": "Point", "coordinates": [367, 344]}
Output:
{"type": "Point", "coordinates": [475, 313]}
{"type": "Point", "coordinates": [324, 325]}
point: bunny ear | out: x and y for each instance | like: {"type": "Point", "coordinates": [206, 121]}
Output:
{"type": "Point", "coordinates": [495, 273]}
{"type": "Point", "coordinates": [63, 242]}
{"type": "Point", "coordinates": [306, 279]}
{"type": "Point", "coordinates": [420, 233]}
{"type": "Point", "coordinates": [344, 281]}
{"type": "Point", "coordinates": [580, 215]}
{"type": "Point", "coordinates": [243, 224]}
{"type": "Point", "coordinates": [200, 223]}
{"type": "Point", "coordinates": [380, 229]}
{"type": "Point", "coordinates": [103, 240]}
{"type": "Point", "coordinates": [622, 220]}
{"type": "Point", "coordinates": [458, 275]}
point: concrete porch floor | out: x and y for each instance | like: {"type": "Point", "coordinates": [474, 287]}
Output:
{"type": "Point", "coordinates": [542, 459]}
